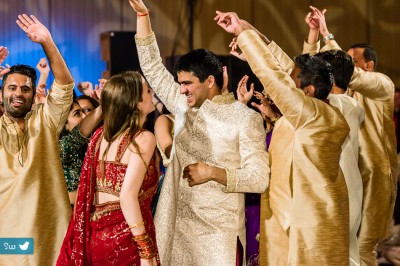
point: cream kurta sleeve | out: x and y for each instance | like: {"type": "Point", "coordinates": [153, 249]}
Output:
{"type": "Point", "coordinates": [57, 105]}
{"type": "Point", "coordinates": [160, 79]}
{"type": "Point", "coordinates": [253, 174]}
{"type": "Point", "coordinates": [277, 83]}
{"type": "Point", "coordinates": [311, 48]}
{"type": "Point", "coordinates": [284, 60]}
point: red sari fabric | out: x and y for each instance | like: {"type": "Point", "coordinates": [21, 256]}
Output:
{"type": "Point", "coordinates": [99, 234]}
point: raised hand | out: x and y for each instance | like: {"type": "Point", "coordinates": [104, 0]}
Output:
{"type": "Point", "coordinates": [86, 88]}
{"type": "Point", "coordinates": [230, 22]}
{"type": "Point", "coordinates": [260, 96]}
{"type": "Point", "coordinates": [3, 55]}
{"type": "Point", "coordinates": [98, 89]}
{"type": "Point", "coordinates": [35, 30]}
{"type": "Point", "coordinates": [225, 89]}
{"type": "Point", "coordinates": [235, 50]}
{"type": "Point", "coordinates": [40, 94]}
{"type": "Point", "coordinates": [319, 17]}
{"type": "Point", "coordinates": [243, 94]}
{"type": "Point", "coordinates": [43, 66]}
{"type": "Point", "coordinates": [265, 108]}
{"type": "Point", "coordinates": [138, 6]}
{"type": "Point", "coordinates": [312, 23]}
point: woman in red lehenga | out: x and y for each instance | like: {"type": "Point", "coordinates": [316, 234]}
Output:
{"type": "Point", "coordinates": [112, 223]}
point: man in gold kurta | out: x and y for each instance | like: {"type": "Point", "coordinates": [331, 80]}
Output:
{"type": "Point", "coordinates": [305, 212]}
{"type": "Point", "coordinates": [33, 196]}
{"type": "Point", "coordinates": [199, 220]}
{"type": "Point", "coordinates": [378, 160]}
{"type": "Point", "coordinates": [354, 115]}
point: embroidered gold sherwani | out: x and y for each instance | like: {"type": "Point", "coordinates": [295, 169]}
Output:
{"type": "Point", "coordinates": [34, 201]}
{"type": "Point", "coordinates": [304, 214]}
{"type": "Point", "coordinates": [201, 225]}
{"type": "Point", "coordinates": [378, 160]}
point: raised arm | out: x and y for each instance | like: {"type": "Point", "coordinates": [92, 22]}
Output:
{"type": "Point", "coordinates": [58, 102]}
{"type": "Point", "coordinates": [277, 83]}
{"type": "Point", "coordinates": [38, 33]}
{"type": "Point", "coordinates": [90, 122]}
{"type": "Point", "coordinates": [285, 62]}
{"type": "Point", "coordinates": [311, 44]}
{"type": "Point", "coordinates": [44, 70]}
{"type": "Point", "coordinates": [373, 85]}
{"type": "Point", "coordinates": [159, 78]}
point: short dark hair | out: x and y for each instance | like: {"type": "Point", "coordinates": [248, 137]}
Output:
{"type": "Point", "coordinates": [342, 66]}
{"type": "Point", "coordinates": [369, 52]}
{"type": "Point", "coordinates": [202, 63]}
{"type": "Point", "coordinates": [315, 71]}
{"type": "Point", "coordinates": [23, 70]}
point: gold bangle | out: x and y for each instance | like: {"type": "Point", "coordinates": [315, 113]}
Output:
{"type": "Point", "coordinates": [136, 225]}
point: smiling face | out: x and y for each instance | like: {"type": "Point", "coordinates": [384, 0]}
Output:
{"type": "Point", "coordinates": [196, 92]}
{"type": "Point", "coordinates": [17, 95]}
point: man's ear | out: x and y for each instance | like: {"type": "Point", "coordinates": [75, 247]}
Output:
{"type": "Point", "coordinates": [370, 65]}
{"type": "Point", "coordinates": [210, 81]}
{"type": "Point", "coordinates": [309, 90]}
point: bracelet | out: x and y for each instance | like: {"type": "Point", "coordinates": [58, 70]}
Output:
{"type": "Point", "coordinates": [328, 37]}
{"type": "Point", "coordinates": [143, 14]}
{"type": "Point", "coordinates": [136, 225]}
{"type": "Point", "coordinates": [145, 245]}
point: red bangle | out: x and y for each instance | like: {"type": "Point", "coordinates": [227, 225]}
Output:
{"type": "Point", "coordinates": [143, 14]}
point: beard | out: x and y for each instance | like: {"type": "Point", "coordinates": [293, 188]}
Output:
{"type": "Point", "coordinates": [19, 112]}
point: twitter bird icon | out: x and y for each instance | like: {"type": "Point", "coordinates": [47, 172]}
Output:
{"type": "Point", "coordinates": [24, 246]}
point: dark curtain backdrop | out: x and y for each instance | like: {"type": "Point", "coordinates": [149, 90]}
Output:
{"type": "Point", "coordinates": [76, 26]}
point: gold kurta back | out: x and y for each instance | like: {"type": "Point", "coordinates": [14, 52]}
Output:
{"type": "Point", "coordinates": [305, 212]}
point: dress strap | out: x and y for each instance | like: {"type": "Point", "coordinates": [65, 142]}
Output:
{"type": "Point", "coordinates": [170, 117]}
{"type": "Point", "coordinates": [124, 144]}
